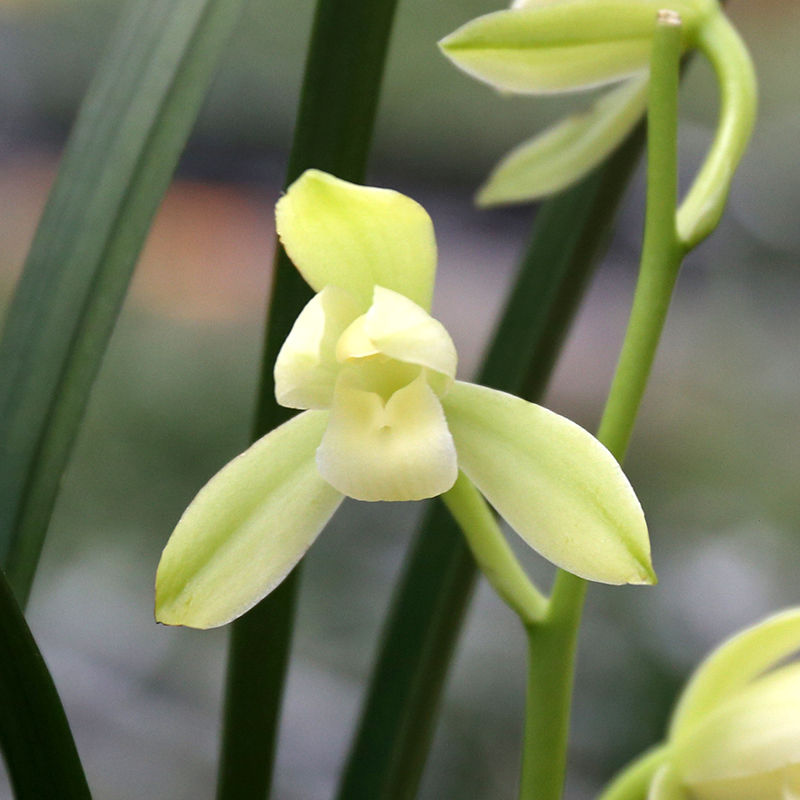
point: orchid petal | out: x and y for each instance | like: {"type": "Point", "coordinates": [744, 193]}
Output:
{"type": "Point", "coordinates": [306, 367]}
{"type": "Point", "coordinates": [780, 784]}
{"type": "Point", "coordinates": [754, 733]}
{"type": "Point", "coordinates": [565, 152]}
{"type": "Point", "coordinates": [402, 450]}
{"type": "Point", "coordinates": [555, 484]}
{"type": "Point", "coordinates": [734, 664]}
{"type": "Point", "coordinates": [246, 529]}
{"type": "Point", "coordinates": [791, 785]}
{"type": "Point", "coordinates": [532, 3]}
{"type": "Point", "coordinates": [356, 237]}
{"type": "Point", "coordinates": [666, 785]}
{"type": "Point", "coordinates": [555, 47]}
{"type": "Point", "coordinates": [401, 329]}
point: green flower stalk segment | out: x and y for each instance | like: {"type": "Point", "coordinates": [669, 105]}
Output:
{"type": "Point", "coordinates": [547, 46]}
{"type": "Point", "coordinates": [385, 419]}
{"type": "Point", "coordinates": [735, 733]}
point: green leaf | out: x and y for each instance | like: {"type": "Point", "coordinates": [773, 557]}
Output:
{"type": "Point", "coordinates": [247, 528]}
{"type": "Point", "coordinates": [399, 716]}
{"type": "Point", "coordinates": [118, 163]}
{"type": "Point", "coordinates": [35, 738]}
{"type": "Point", "coordinates": [356, 237]}
{"type": "Point", "coordinates": [553, 482]}
{"type": "Point", "coordinates": [334, 128]}
{"type": "Point", "coordinates": [561, 155]}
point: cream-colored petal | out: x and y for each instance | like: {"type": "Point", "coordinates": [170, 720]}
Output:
{"type": "Point", "coordinates": [755, 733]}
{"type": "Point", "coordinates": [401, 329]}
{"type": "Point", "coordinates": [246, 529]}
{"type": "Point", "coordinates": [734, 664]}
{"type": "Point", "coordinates": [567, 151]}
{"type": "Point", "coordinates": [666, 785]}
{"type": "Point", "coordinates": [357, 237]}
{"type": "Point", "coordinates": [556, 47]}
{"type": "Point", "coordinates": [791, 784]}
{"type": "Point", "coordinates": [532, 3]}
{"type": "Point", "coordinates": [306, 367]}
{"type": "Point", "coordinates": [555, 484]}
{"type": "Point", "coordinates": [775, 785]}
{"type": "Point", "coordinates": [400, 451]}
{"type": "Point", "coordinates": [355, 343]}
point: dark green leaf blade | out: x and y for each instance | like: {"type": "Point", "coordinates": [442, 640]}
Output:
{"type": "Point", "coordinates": [338, 104]}
{"type": "Point", "coordinates": [118, 163]}
{"type": "Point", "coordinates": [398, 720]}
{"type": "Point", "coordinates": [37, 744]}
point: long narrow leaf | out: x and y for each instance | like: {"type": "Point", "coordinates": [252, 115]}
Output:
{"type": "Point", "coordinates": [397, 723]}
{"type": "Point", "coordinates": [118, 163]}
{"type": "Point", "coordinates": [37, 743]}
{"type": "Point", "coordinates": [341, 87]}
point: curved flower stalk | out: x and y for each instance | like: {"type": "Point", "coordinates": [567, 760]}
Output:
{"type": "Point", "coordinates": [546, 46]}
{"type": "Point", "coordinates": [385, 419]}
{"type": "Point", "coordinates": [735, 733]}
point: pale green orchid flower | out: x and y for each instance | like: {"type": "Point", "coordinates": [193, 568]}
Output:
{"type": "Point", "coordinates": [735, 733]}
{"type": "Point", "coordinates": [385, 419]}
{"type": "Point", "coordinates": [547, 46]}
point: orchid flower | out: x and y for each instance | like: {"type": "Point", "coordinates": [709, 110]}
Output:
{"type": "Point", "coordinates": [549, 46]}
{"type": "Point", "coordinates": [385, 419]}
{"type": "Point", "coordinates": [735, 732]}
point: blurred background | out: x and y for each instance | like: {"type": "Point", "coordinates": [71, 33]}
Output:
{"type": "Point", "coordinates": [715, 458]}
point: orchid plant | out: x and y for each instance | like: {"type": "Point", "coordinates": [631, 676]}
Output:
{"type": "Point", "coordinates": [374, 375]}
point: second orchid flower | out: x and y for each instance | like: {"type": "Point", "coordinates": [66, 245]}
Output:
{"type": "Point", "coordinates": [547, 46]}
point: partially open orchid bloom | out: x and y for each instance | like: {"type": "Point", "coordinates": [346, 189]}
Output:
{"type": "Point", "coordinates": [735, 734]}
{"type": "Point", "coordinates": [385, 419]}
{"type": "Point", "coordinates": [547, 46]}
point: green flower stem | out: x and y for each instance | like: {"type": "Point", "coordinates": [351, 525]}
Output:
{"type": "Point", "coordinates": [662, 252]}
{"type": "Point", "coordinates": [633, 782]}
{"type": "Point", "coordinates": [551, 665]}
{"type": "Point", "coordinates": [701, 210]}
{"type": "Point", "coordinates": [338, 105]}
{"type": "Point", "coordinates": [553, 641]}
{"type": "Point", "coordinates": [492, 552]}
